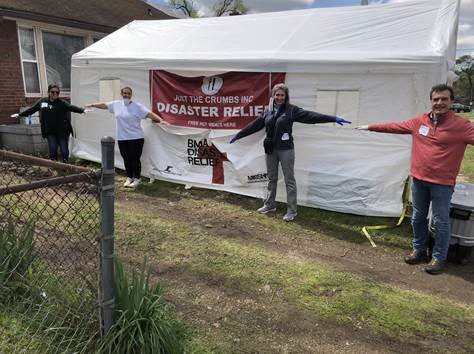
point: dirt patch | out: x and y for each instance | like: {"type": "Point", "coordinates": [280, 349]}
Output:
{"type": "Point", "coordinates": [73, 257]}
{"type": "Point", "coordinates": [379, 263]}
{"type": "Point", "coordinates": [262, 321]}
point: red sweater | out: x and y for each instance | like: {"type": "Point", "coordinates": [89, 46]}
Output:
{"type": "Point", "coordinates": [437, 150]}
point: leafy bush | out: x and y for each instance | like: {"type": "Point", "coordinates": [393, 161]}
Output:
{"type": "Point", "coordinates": [17, 253]}
{"type": "Point", "coordinates": [144, 323]}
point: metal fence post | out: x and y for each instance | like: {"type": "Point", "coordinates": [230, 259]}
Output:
{"type": "Point", "coordinates": [107, 228]}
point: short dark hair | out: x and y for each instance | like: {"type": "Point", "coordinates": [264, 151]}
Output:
{"type": "Point", "coordinates": [126, 88]}
{"type": "Point", "coordinates": [50, 87]}
{"type": "Point", "coordinates": [442, 87]}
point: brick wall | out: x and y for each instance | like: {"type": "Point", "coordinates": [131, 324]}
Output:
{"type": "Point", "coordinates": [12, 94]}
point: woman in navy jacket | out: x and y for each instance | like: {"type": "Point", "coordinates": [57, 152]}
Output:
{"type": "Point", "coordinates": [278, 122]}
{"type": "Point", "coordinates": [55, 121]}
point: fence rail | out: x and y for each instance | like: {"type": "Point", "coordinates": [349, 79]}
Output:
{"type": "Point", "coordinates": [51, 233]}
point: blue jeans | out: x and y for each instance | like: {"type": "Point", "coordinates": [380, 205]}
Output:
{"type": "Point", "coordinates": [55, 141]}
{"type": "Point", "coordinates": [424, 193]}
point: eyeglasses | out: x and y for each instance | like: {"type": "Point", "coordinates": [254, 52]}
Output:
{"type": "Point", "coordinates": [54, 92]}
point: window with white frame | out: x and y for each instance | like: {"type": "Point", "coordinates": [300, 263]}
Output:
{"type": "Point", "coordinates": [341, 103]}
{"type": "Point", "coordinates": [29, 60]}
{"type": "Point", "coordinates": [46, 52]}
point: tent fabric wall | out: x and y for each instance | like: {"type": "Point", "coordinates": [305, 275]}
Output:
{"type": "Point", "coordinates": [386, 53]}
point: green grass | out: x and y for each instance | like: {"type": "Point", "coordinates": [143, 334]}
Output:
{"type": "Point", "coordinates": [54, 304]}
{"type": "Point", "coordinates": [469, 115]}
{"type": "Point", "coordinates": [342, 226]}
{"type": "Point", "coordinates": [341, 296]}
{"type": "Point", "coordinates": [205, 341]}
{"type": "Point", "coordinates": [56, 310]}
{"type": "Point", "coordinates": [17, 253]}
{"type": "Point", "coordinates": [384, 309]}
{"type": "Point", "coordinates": [467, 166]}
{"type": "Point", "coordinates": [16, 335]}
{"type": "Point", "coordinates": [53, 311]}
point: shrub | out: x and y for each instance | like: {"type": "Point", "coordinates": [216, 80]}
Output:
{"type": "Point", "coordinates": [17, 253]}
{"type": "Point", "coordinates": [144, 324]}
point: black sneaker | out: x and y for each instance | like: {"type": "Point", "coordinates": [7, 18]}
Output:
{"type": "Point", "coordinates": [417, 257]}
{"type": "Point", "coordinates": [436, 266]}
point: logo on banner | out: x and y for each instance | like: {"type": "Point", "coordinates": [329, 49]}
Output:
{"type": "Point", "coordinates": [211, 85]}
{"type": "Point", "coordinates": [200, 153]}
{"type": "Point", "coordinates": [259, 177]}
{"type": "Point", "coordinates": [169, 170]}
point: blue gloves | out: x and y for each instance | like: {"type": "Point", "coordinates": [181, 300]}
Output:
{"type": "Point", "coordinates": [341, 121]}
{"type": "Point", "coordinates": [233, 139]}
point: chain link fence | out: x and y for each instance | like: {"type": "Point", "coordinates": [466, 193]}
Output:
{"type": "Point", "coordinates": [49, 256]}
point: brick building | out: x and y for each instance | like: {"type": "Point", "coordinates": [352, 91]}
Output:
{"type": "Point", "coordinates": [37, 39]}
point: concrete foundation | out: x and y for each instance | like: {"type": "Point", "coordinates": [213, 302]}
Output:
{"type": "Point", "coordinates": [23, 138]}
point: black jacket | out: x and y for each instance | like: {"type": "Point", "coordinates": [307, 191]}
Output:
{"type": "Point", "coordinates": [284, 124]}
{"type": "Point", "coordinates": [54, 116]}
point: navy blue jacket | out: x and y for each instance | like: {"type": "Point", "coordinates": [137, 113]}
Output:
{"type": "Point", "coordinates": [283, 124]}
{"type": "Point", "coordinates": [54, 116]}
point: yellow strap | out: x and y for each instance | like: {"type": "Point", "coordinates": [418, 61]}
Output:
{"type": "Point", "coordinates": [365, 229]}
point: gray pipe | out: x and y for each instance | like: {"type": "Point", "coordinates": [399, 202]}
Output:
{"type": "Point", "coordinates": [107, 240]}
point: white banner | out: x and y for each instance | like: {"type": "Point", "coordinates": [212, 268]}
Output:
{"type": "Point", "coordinates": [327, 175]}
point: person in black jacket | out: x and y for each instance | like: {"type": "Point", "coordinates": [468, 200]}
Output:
{"type": "Point", "coordinates": [55, 122]}
{"type": "Point", "coordinates": [278, 122]}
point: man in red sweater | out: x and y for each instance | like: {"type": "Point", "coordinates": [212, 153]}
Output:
{"type": "Point", "coordinates": [439, 140]}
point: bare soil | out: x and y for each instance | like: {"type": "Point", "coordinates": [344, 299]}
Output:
{"type": "Point", "coordinates": [263, 322]}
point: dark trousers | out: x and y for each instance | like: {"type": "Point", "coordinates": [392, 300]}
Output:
{"type": "Point", "coordinates": [61, 141]}
{"type": "Point", "coordinates": [131, 151]}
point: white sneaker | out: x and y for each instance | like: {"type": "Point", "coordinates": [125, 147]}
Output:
{"type": "Point", "coordinates": [135, 183]}
{"type": "Point", "coordinates": [266, 209]}
{"type": "Point", "coordinates": [289, 217]}
{"type": "Point", "coordinates": [128, 181]}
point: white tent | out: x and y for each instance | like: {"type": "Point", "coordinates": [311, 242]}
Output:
{"type": "Point", "coordinates": [366, 63]}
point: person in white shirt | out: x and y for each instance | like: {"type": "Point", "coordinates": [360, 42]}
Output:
{"type": "Point", "coordinates": [130, 134]}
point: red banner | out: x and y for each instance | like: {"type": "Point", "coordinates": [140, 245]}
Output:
{"type": "Point", "coordinates": [226, 101]}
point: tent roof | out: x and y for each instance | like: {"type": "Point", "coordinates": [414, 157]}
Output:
{"type": "Point", "coordinates": [415, 32]}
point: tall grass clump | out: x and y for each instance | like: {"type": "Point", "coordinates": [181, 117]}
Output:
{"type": "Point", "coordinates": [17, 254]}
{"type": "Point", "coordinates": [144, 323]}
